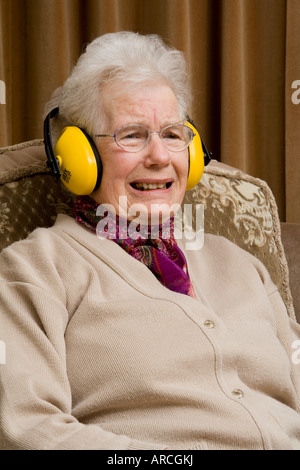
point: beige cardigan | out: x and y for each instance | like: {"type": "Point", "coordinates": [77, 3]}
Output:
{"type": "Point", "coordinates": [99, 355]}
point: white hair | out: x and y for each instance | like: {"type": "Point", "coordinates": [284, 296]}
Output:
{"type": "Point", "coordinates": [126, 58]}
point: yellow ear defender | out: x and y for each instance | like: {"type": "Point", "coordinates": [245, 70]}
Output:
{"type": "Point", "coordinates": [198, 157]}
{"type": "Point", "coordinates": [76, 161]}
{"type": "Point", "coordinates": [79, 161]}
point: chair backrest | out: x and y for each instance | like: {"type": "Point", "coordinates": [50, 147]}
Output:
{"type": "Point", "coordinates": [236, 205]}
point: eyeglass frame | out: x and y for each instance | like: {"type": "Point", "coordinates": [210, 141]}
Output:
{"type": "Point", "coordinates": [114, 135]}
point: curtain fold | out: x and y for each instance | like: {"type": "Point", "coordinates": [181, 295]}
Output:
{"type": "Point", "coordinates": [243, 56]}
{"type": "Point", "coordinates": [292, 113]}
{"type": "Point", "coordinates": [252, 89]}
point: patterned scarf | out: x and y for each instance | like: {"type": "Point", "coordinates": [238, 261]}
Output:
{"type": "Point", "coordinates": [161, 254]}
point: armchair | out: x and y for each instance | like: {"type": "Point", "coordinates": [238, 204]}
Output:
{"type": "Point", "coordinates": [236, 205]}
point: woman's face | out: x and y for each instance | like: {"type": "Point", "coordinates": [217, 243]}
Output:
{"type": "Point", "coordinates": [129, 174]}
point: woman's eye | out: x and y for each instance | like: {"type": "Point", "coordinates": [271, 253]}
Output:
{"type": "Point", "coordinates": [130, 136]}
{"type": "Point", "coordinates": [172, 135]}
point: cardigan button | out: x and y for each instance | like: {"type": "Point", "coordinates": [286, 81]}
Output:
{"type": "Point", "coordinates": [209, 324]}
{"type": "Point", "coordinates": [238, 393]}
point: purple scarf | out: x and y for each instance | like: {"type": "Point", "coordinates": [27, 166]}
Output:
{"type": "Point", "coordinates": [161, 255]}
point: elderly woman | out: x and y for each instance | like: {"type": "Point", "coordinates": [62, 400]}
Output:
{"type": "Point", "coordinates": [119, 342]}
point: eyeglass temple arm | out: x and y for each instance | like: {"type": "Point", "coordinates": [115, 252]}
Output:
{"type": "Point", "coordinates": [104, 135]}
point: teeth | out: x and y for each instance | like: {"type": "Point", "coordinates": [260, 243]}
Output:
{"type": "Point", "coordinates": [149, 186]}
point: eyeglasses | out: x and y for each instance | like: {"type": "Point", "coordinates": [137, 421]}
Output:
{"type": "Point", "coordinates": [135, 137]}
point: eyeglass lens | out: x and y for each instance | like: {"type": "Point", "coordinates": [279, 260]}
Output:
{"type": "Point", "coordinates": [135, 137]}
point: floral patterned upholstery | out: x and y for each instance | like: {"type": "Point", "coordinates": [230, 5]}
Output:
{"type": "Point", "coordinates": [243, 209]}
{"type": "Point", "coordinates": [236, 206]}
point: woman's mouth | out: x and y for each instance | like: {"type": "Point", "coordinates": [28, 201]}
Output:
{"type": "Point", "coordinates": [151, 186]}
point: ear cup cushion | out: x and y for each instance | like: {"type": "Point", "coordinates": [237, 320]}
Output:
{"type": "Point", "coordinates": [196, 159]}
{"type": "Point", "coordinates": [79, 161]}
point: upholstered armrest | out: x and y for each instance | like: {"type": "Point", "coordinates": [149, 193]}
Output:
{"type": "Point", "coordinates": [243, 209]}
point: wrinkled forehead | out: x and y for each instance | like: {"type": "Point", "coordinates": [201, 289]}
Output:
{"type": "Point", "coordinates": [143, 103]}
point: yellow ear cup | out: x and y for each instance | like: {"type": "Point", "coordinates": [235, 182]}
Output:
{"type": "Point", "coordinates": [196, 159]}
{"type": "Point", "coordinates": [78, 161]}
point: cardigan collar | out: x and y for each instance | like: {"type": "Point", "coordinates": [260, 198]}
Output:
{"type": "Point", "coordinates": [161, 254]}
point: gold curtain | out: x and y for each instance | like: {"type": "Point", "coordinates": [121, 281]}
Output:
{"type": "Point", "coordinates": [243, 55]}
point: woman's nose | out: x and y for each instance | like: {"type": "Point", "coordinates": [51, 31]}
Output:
{"type": "Point", "coordinates": [157, 153]}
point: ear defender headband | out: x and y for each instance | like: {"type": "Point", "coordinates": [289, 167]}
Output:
{"type": "Point", "coordinates": [76, 161]}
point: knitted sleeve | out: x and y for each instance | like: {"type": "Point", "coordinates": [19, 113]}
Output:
{"type": "Point", "coordinates": [36, 399]}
